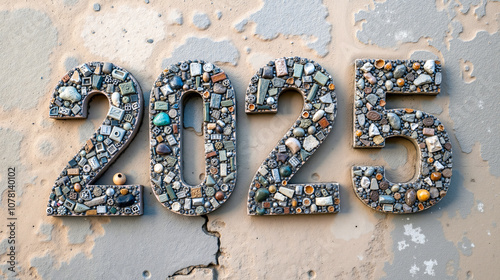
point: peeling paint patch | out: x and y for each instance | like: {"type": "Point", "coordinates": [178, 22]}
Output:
{"type": "Point", "coordinates": [28, 37]}
{"type": "Point", "coordinates": [201, 20]}
{"type": "Point", "coordinates": [305, 18]}
{"type": "Point", "coordinates": [465, 246]}
{"type": "Point", "coordinates": [390, 24]}
{"type": "Point", "coordinates": [121, 35]}
{"type": "Point", "coordinates": [45, 231]}
{"type": "Point", "coordinates": [204, 49]}
{"type": "Point", "coordinates": [160, 243]}
{"type": "Point", "coordinates": [415, 234]}
{"type": "Point", "coordinates": [429, 249]}
{"type": "Point", "coordinates": [473, 103]}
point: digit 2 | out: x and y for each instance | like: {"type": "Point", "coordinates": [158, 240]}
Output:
{"type": "Point", "coordinates": [373, 124]}
{"type": "Point", "coordinates": [73, 193]}
{"type": "Point", "coordinates": [219, 129]}
{"type": "Point", "coordinates": [270, 193]}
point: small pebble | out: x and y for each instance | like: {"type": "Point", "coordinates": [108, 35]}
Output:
{"type": "Point", "coordinates": [97, 7]}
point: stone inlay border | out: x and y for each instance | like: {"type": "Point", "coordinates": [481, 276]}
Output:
{"type": "Point", "coordinates": [219, 129]}
{"type": "Point", "coordinates": [270, 193]}
{"type": "Point", "coordinates": [373, 124]}
{"type": "Point", "coordinates": [73, 193]}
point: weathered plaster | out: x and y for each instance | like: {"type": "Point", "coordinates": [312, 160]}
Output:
{"type": "Point", "coordinates": [27, 39]}
{"type": "Point", "coordinates": [120, 35]}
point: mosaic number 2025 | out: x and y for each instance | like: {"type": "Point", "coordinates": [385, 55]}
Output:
{"type": "Point", "coordinates": [270, 194]}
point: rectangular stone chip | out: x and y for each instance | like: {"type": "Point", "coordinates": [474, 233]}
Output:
{"type": "Point", "coordinates": [262, 90]}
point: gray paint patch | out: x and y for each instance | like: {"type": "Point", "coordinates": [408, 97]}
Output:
{"type": "Point", "coordinates": [160, 242]}
{"type": "Point", "coordinates": [389, 23]}
{"type": "Point", "coordinates": [201, 20]}
{"type": "Point", "coordinates": [305, 18]}
{"type": "Point", "coordinates": [78, 229]}
{"type": "Point", "coordinates": [24, 58]}
{"type": "Point", "coordinates": [472, 100]}
{"type": "Point", "coordinates": [421, 250]}
{"type": "Point", "coordinates": [472, 104]}
{"type": "Point", "coordinates": [205, 49]}
{"type": "Point", "coordinates": [11, 145]}
{"type": "Point", "coordinates": [45, 232]}
{"type": "Point", "coordinates": [3, 246]}
{"type": "Point", "coordinates": [465, 246]}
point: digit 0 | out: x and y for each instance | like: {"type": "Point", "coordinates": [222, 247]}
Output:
{"type": "Point", "coordinates": [219, 128]}
{"type": "Point", "coordinates": [73, 193]}
{"type": "Point", "coordinates": [373, 124]}
{"type": "Point", "coordinates": [270, 193]}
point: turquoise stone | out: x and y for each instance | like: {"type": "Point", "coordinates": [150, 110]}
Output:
{"type": "Point", "coordinates": [261, 195]}
{"type": "Point", "coordinates": [285, 171]}
{"type": "Point", "coordinates": [161, 119]}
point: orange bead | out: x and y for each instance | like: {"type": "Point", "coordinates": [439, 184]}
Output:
{"type": "Point", "coordinates": [294, 203]}
{"type": "Point", "coordinates": [441, 127]}
{"type": "Point", "coordinates": [430, 160]}
{"type": "Point", "coordinates": [435, 176]}
{"type": "Point", "coordinates": [119, 179]}
{"type": "Point", "coordinates": [77, 187]}
{"type": "Point", "coordinates": [409, 110]}
{"type": "Point", "coordinates": [331, 86]}
{"type": "Point", "coordinates": [423, 195]}
{"type": "Point", "coordinates": [388, 66]}
{"type": "Point", "coordinates": [382, 102]}
{"type": "Point", "coordinates": [400, 82]}
{"type": "Point", "coordinates": [124, 191]}
{"type": "Point", "coordinates": [416, 66]}
{"type": "Point", "coordinates": [379, 176]}
{"type": "Point", "coordinates": [359, 133]}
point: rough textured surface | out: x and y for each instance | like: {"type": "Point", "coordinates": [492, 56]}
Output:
{"type": "Point", "coordinates": [460, 235]}
{"type": "Point", "coordinates": [201, 20]}
{"type": "Point", "coordinates": [34, 31]}
{"type": "Point", "coordinates": [120, 35]}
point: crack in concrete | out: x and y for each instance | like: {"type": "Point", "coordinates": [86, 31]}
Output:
{"type": "Point", "coordinates": [190, 270]}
